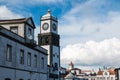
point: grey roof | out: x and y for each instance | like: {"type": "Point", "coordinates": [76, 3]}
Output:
{"type": "Point", "coordinates": [20, 20]}
{"type": "Point", "coordinates": [70, 76]}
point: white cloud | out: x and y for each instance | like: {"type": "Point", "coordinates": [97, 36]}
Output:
{"type": "Point", "coordinates": [87, 22]}
{"type": "Point", "coordinates": [91, 53]}
{"type": "Point", "coordinates": [5, 13]}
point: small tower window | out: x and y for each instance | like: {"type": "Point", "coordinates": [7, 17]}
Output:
{"type": "Point", "coordinates": [45, 40]}
{"type": "Point", "coordinates": [56, 66]}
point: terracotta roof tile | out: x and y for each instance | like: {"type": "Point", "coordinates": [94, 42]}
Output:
{"type": "Point", "coordinates": [112, 72]}
{"type": "Point", "coordinates": [100, 73]}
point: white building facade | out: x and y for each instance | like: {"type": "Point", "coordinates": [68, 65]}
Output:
{"type": "Point", "coordinates": [20, 57]}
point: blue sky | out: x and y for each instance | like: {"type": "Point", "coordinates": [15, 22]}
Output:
{"type": "Point", "coordinates": [89, 29]}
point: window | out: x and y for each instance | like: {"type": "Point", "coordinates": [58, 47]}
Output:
{"type": "Point", "coordinates": [42, 62]}
{"type": "Point", "coordinates": [45, 40]}
{"type": "Point", "coordinates": [56, 66]}
{"type": "Point", "coordinates": [14, 29]}
{"type": "Point", "coordinates": [9, 53]}
{"type": "Point", "coordinates": [53, 55]}
{"type": "Point", "coordinates": [21, 56]}
{"type": "Point", "coordinates": [106, 73]}
{"type": "Point", "coordinates": [35, 60]}
{"type": "Point", "coordinates": [29, 59]}
{"type": "Point", "coordinates": [29, 31]}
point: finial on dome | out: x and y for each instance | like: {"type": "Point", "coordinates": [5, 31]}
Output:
{"type": "Point", "coordinates": [49, 11]}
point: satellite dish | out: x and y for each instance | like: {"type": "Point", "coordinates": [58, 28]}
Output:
{"type": "Point", "coordinates": [29, 36]}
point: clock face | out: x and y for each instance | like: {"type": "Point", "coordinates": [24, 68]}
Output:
{"type": "Point", "coordinates": [54, 27]}
{"type": "Point", "coordinates": [45, 26]}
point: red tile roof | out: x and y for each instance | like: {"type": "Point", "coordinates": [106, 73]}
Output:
{"type": "Point", "coordinates": [100, 73]}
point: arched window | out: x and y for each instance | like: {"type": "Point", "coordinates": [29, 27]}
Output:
{"type": "Point", "coordinates": [7, 79]}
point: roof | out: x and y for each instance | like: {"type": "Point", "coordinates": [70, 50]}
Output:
{"type": "Point", "coordinates": [70, 76]}
{"type": "Point", "coordinates": [75, 69]}
{"type": "Point", "coordinates": [48, 16]}
{"type": "Point", "coordinates": [20, 20]}
{"type": "Point", "coordinates": [62, 75]}
{"type": "Point", "coordinates": [100, 72]}
{"type": "Point", "coordinates": [111, 72]}
{"type": "Point", "coordinates": [84, 71]}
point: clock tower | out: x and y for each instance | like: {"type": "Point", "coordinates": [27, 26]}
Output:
{"type": "Point", "coordinates": [49, 39]}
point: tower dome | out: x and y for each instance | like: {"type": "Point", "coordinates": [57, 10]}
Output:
{"type": "Point", "coordinates": [48, 16]}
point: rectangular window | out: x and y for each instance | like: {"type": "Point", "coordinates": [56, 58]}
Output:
{"type": "Point", "coordinates": [29, 31]}
{"type": "Point", "coordinates": [14, 29]}
{"type": "Point", "coordinates": [56, 66]}
{"type": "Point", "coordinates": [9, 53]}
{"type": "Point", "coordinates": [35, 60]}
{"type": "Point", "coordinates": [29, 59]}
{"type": "Point", "coordinates": [42, 62]}
{"type": "Point", "coordinates": [21, 56]}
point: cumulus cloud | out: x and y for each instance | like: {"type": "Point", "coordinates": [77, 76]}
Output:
{"type": "Point", "coordinates": [91, 20]}
{"type": "Point", "coordinates": [6, 13]}
{"type": "Point", "coordinates": [92, 53]}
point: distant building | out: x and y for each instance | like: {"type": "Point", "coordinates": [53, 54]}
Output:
{"type": "Point", "coordinates": [74, 73]}
{"type": "Point", "coordinates": [71, 66]}
{"type": "Point", "coordinates": [78, 74]}
{"type": "Point", "coordinates": [106, 74]}
{"type": "Point", "coordinates": [20, 57]}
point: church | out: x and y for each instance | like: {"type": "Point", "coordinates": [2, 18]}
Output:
{"type": "Point", "coordinates": [21, 58]}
